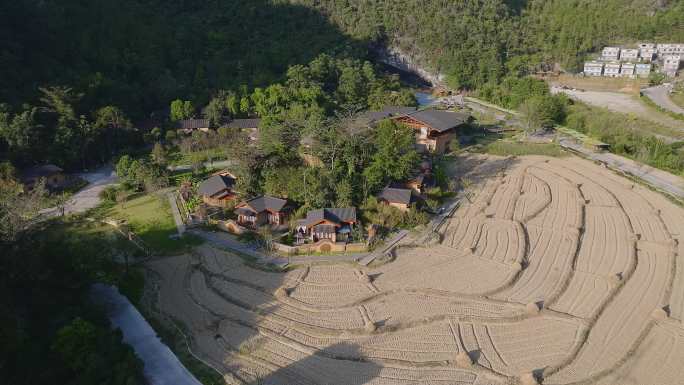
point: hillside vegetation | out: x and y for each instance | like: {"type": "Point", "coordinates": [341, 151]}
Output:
{"type": "Point", "coordinates": [474, 42]}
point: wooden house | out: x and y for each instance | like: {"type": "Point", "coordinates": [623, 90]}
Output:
{"type": "Point", "coordinates": [399, 198]}
{"type": "Point", "coordinates": [263, 210]}
{"type": "Point", "coordinates": [334, 224]}
{"type": "Point", "coordinates": [434, 128]}
{"type": "Point", "coordinates": [249, 126]}
{"type": "Point", "coordinates": [189, 125]}
{"type": "Point", "coordinates": [218, 190]}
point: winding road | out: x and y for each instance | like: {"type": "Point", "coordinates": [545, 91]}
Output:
{"type": "Point", "coordinates": [660, 96]}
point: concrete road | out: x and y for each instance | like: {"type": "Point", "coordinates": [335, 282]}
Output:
{"type": "Point", "coordinates": [660, 96]}
{"type": "Point", "coordinates": [661, 180]}
{"type": "Point", "coordinates": [162, 367]}
{"type": "Point", "coordinates": [180, 226]}
{"type": "Point", "coordinates": [89, 196]}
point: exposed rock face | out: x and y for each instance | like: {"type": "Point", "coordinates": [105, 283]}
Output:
{"type": "Point", "coordinates": [395, 57]}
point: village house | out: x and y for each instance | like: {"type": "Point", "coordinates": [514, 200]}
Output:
{"type": "Point", "coordinates": [627, 70]}
{"type": "Point", "coordinates": [642, 70]}
{"type": "Point", "coordinates": [434, 128]}
{"type": "Point", "coordinates": [54, 177]}
{"type": "Point", "coordinates": [647, 51]}
{"type": "Point", "coordinates": [218, 190]}
{"type": "Point", "coordinates": [420, 183]}
{"type": "Point", "coordinates": [593, 68]}
{"type": "Point", "coordinates": [334, 224]}
{"type": "Point", "coordinates": [670, 49]}
{"type": "Point", "coordinates": [612, 70]}
{"type": "Point", "coordinates": [263, 210]}
{"type": "Point", "coordinates": [249, 126]}
{"type": "Point", "coordinates": [629, 55]}
{"type": "Point", "coordinates": [610, 53]}
{"type": "Point", "coordinates": [400, 198]}
{"type": "Point", "coordinates": [189, 125]}
{"type": "Point", "coordinates": [671, 64]}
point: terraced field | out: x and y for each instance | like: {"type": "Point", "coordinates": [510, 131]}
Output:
{"type": "Point", "coordinates": [557, 272]}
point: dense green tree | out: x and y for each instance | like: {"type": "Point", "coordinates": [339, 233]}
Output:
{"type": "Point", "coordinates": [394, 157]}
{"type": "Point", "coordinates": [182, 109]}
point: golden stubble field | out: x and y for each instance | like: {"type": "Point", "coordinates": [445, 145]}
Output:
{"type": "Point", "coordinates": [558, 272]}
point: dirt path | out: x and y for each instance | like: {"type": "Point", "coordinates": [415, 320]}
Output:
{"type": "Point", "coordinates": [623, 103]}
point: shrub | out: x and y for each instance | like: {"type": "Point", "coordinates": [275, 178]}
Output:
{"type": "Point", "coordinates": [108, 194]}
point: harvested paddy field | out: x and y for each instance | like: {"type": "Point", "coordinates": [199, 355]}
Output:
{"type": "Point", "coordinates": [556, 271]}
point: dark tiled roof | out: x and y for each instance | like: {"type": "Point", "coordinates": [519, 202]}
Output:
{"type": "Point", "coordinates": [387, 112]}
{"type": "Point", "coordinates": [325, 229]}
{"type": "Point", "coordinates": [216, 184]}
{"type": "Point", "coordinates": [41, 171]}
{"type": "Point", "coordinates": [192, 124]}
{"type": "Point", "coordinates": [440, 120]}
{"type": "Point", "coordinates": [336, 215]}
{"type": "Point", "coordinates": [396, 195]}
{"type": "Point", "coordinates": [244, 211]}
{"type": "Point", "coordinates": [264, 203]}
{"type": "Point", "coordinates": [243, 123]}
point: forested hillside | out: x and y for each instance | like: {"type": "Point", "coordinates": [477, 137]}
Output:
{"type": "Point", "coordinates": [477, 41]}
{"type": "Point", "coordinates": [140, 54]}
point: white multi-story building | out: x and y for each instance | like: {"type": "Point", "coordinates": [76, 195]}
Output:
{"type": "Point", "coordinates": [593, 68]}
{"type": "Point", "coordinates": [611, 53]}
{"type": "Point", "coordinates": [629, 54]}
{"type": "Point", "coordinates": [670, 49]}
{"type": "Point", "coordinates": [627, 70]}
{"type": "Point", "coordinates": [647, 51]}
{"type": "Point", "coordinates": [671, 64]}
{"type": "Point", "coordinates": [642, 70]}
{"type": "Point", "coordinates": [612, 69]}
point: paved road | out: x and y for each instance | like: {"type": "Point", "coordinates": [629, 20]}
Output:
{"type": "Point", "coordinates": [660, 96]}
{"type": "Point", "coordinates": [162, 367]}
{"type": "Point", "coordinates": [365, 261]}
{"type": "Point", "coordinates": [176, 213]}
{"type": "Point", "coordinates": [89, 196]}
{"type": "Point", "coordinates": [659, 179]}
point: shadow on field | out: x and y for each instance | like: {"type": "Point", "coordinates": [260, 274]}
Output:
{"type": "Point", "coordinates": [334, 365]}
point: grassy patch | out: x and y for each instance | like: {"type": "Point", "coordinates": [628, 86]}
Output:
{"type": "Point", "coordinates": [149, 216]}
{"type": "Point", "coordinates": [651, 104]}
{"type": "Point", "coordinates": [132, 285]}
{"type": "Point", "coordinates": [509, 148]}
{"type": "Point", "coordinates": [173, 338]}
{"type": "Point", "coordinates": [677, 94]}
{"type": "Point", "coordinates": [178, 158]}
{"type": "Point", "coordinates": [624, 85]}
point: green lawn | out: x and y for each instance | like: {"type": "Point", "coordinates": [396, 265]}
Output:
{"type": "Point", "coordinates": [177, 157]}
{"type": "Point", "coordinates": [507, 148]}
{"type": "Point", "coordinates": [678, 95]}
{"type": "Point", "coordinates": [149, 216]}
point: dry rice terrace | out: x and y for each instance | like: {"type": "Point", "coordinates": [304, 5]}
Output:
{"type": "Point", "coordinates": [558, 271]}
